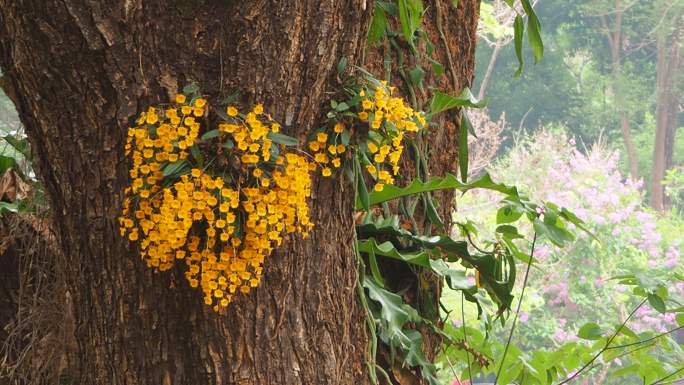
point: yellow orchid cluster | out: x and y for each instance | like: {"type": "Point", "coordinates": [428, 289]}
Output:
{"type": "Point", "coordinates": [389, 119]}
{"type": "Point", "coordinates": [327, 149]}
{"type": "Point", "coordinates": [223, 226]}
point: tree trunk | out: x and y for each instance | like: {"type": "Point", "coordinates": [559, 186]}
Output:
{"type": "Point", "coordinates": [79, 71]}
{"type": "Point", "coordinates": [490, 69]}
{"type": "Point", "coordinates": [614, 37]}
{"type": "Point", "coordinates": [668, 62]}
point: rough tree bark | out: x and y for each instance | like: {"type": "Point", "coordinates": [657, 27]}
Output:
{"type": "Point", "coordinates": [79, 71]}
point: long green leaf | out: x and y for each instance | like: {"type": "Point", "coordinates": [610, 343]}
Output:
{"type": "Point", "coordinates": [283, 139]}
{"type": "Point", "coordinates": [362, 197]}
{"type": "Point", "coordinates": [439, 183]}
{"type": "Point", "coordinates": [174, 168]}
{"type": "Point", "coordinates": [393, 315]}
{"type": "Point", "coordinates": [486, 264]}
{"type": "Point", "coordinates": [518, 30]}
{"type": "Point", "coordinates": [441, 102]}
{"type": "Point", "coordinates": [6, 163]}
{"type": "Point", "coordinates": [378, 26]}
{"type": "Point", "coordinates": [533, 31]}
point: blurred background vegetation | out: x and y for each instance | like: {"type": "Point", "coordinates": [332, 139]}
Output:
{"type": "Point", "coordinates": [596, 127]}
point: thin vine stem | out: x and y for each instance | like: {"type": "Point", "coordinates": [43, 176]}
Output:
{"type": "Point", "coordinates": [647, 339]}
{"type": "Point", "coordinates": [610, 340]}
{"type": "Point", "coordinates": [465, 336]}
{"type": "Point", "coordinates": [517, 310]}
{"type": "Point", "coordinates": [370, 324]}
{"type": "Point", "coordinates": [660, 380]}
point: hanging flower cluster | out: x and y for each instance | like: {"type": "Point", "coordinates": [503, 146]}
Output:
{"type": "Point", "coordinates": [328, 148]}
{"type": "Point", "coordinates": [223, 218]}
{"type": "Point", "coordinates": [224, 200]}
{"type": "Point", "coordinates": [387, 120]}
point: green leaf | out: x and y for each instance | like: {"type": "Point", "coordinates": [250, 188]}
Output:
{"type": "Point", "coordinates": [6, 163]}
{"type": "Point", "coordinates": [342, 65]}
{"type": "Point", "coordinates": [342, 107]}
{"type": "Point", "coordinates": [9, 207]}
{"type": "Point", "coordinates": [437, 67]}
{"type": "Point", "coordinates": [449, 181]}
{"type": "Point", "coordinates": [20, 145]}
{"type": "Point", "coordinates": [590, 331]}
{"type": "Point", "coordinates": [625, 370]}
{"type": "Point", "coordinates": [533, 31]}
{"type": "Point", "coordinates": [463, 146]}
{"type": "Point", "coordinates": [174, 168]}
{"type": "Point", "coordinates": [410, 18]}
{"type": "Point", "coordinates": [518, 30]}
{"type": "Point", "coordinates": [191, 89]}
{"type": "Point", "coordinates": [283, 139]}
{"type": "Point", "coordinates": [432, 213]}
{"type": "Point", "coordinates": [487, 264]}
{"type": "Point", "coordinates": [680, 319]}
{"type": "Point", "coordinates": [210, 134]}
{"type": "Point", "coordinates": [378, 26]}
{"type": "Point", "coordinates": [375, 269]}
{"type": "Point", "coordinates": [387, 249]}
{"type": "Point", "coordinates": [657, 303]}
{"type": "Point", "coordinates": [362, 197]}
{"type": "Point", "coordinates": [441, 102]}
{"type": "Point", "coordinates": [508, 214]}
{"type": "Point", "coordinates": [510, 232]}
{"type": "Point", "coordinates": [552, 229]}
{"type": "Point", "coordinates": [228, 144]}
{"type": "Point", "coordinates": [455, 278]}
{"type": "Point", "coordinates": [572, 218]}
{"type": "Point", "coordinates": [394, 314]}
{"type": "Point", "coordinates": [417, 75]}
{"type": "Point", "coordinates": [196, 154]}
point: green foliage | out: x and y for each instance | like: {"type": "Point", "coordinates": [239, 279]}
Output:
{"type": "Point", "coordinates": [575, 296]}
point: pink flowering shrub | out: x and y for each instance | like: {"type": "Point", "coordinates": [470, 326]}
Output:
{"type": "Point", "coordinates": [573, 286]}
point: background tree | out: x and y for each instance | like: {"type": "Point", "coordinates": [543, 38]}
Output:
{"type": "Point", "coordinates": [603, 76]}
{"type": "Point", "coordinates": [79, 71]}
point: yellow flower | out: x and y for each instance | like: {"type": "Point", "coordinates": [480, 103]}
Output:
{"type": "Point", "coordinates": [231, 111]}
{"type": "Point", "coordinates": [200, 103]}
{"type": "Point", "coordinates": [321, 158]}
{"type": "Point", "coordinates": [372, 147]}
{"type": "Point", "coordinates": [336, 162]}
{"type": "Point", "coordinates": [322, 137]}
{"type": "Point", "coordinates": [326, 171]}
{"type": "Point", "coordinates": [180, 98]}
{"type": "Point", "coordinates": [363, 115]}
{"type": "Point", "coordinates": [258, 109]}
{"type": "Point", "coordinates": [379, 187]}
{"type": "Point", "coordinates": [339, 127]}
{"type": "Point", "coordinates": [367, 104]}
